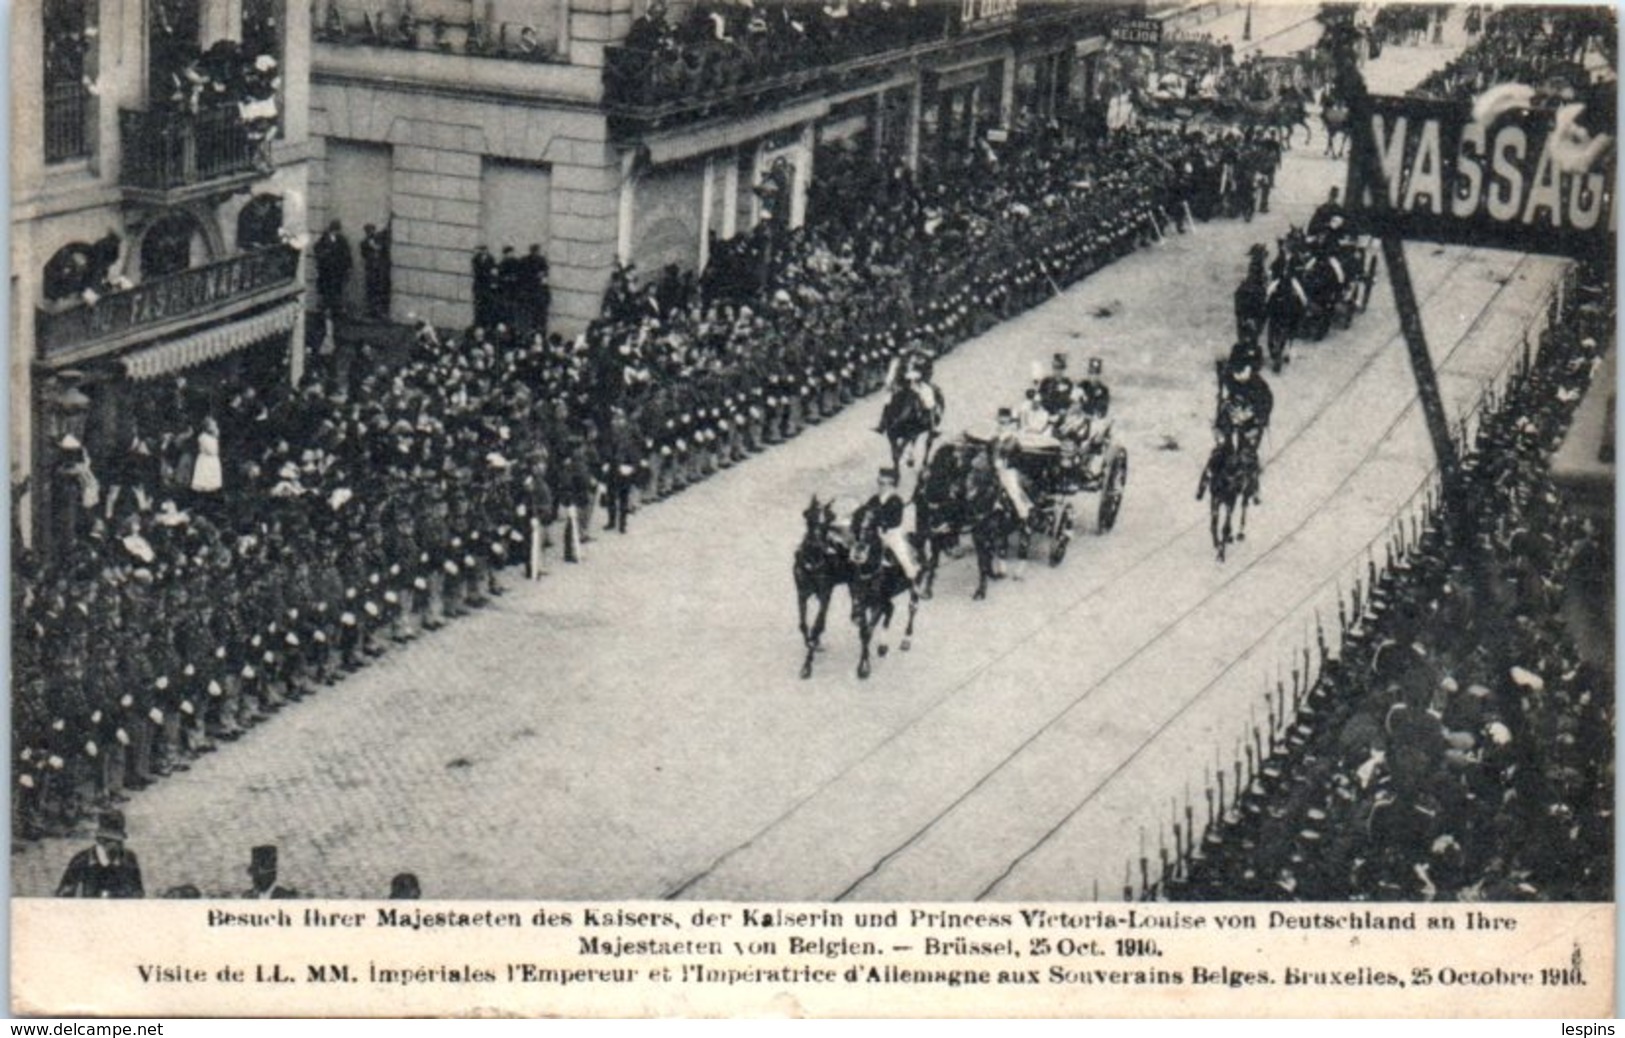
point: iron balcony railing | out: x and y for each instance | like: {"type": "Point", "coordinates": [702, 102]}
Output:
{"type": "Point", "coordinates": [166, 151]}
{"type": "Point", "coordinates": [189, 295]}
{"type": "Point", "coordinates": [682, 80]}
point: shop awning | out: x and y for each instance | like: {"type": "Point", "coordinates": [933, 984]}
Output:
{"type": "Point", "coordinates": [687, 144]}
{"type": "Point", "coordinates": [165, 358]}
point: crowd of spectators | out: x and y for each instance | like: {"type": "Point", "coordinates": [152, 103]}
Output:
{"type": "Point", "coordinates": [1458, 747]}
{"type": "Point", "coordinates": [1523, 44]}
{"type": "Point", "coordinates": [723, 44]}
{"type": "Point", "coordinates": [241, 548]}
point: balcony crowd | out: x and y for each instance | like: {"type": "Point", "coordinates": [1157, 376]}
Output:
{"type": "Point", "coordinates": [728, 44]}
{"type": "Point", "coordinates": [240, 549]}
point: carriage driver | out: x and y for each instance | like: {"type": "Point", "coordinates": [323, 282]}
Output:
{"type": "Point", "coordinates": [884, 511]}
{"type": "Point", "coordinates": [1330, 220]}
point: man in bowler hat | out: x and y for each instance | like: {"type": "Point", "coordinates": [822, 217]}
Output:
{"type": "Point", "coordinates": [106, 869]}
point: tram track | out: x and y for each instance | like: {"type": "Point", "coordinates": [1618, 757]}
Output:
{"type": "Point", "coordinates": [1439, 281]}
{"type": "Point", "coordinates": [1257, 643]}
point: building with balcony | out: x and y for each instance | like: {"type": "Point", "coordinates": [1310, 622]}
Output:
{"type": "Point", "coordinates": [159, 154]}
{"type": "Point", "coordinates": [607, 130]}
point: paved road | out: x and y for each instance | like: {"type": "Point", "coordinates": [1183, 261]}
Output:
{"type": "Point", "coordinates": [634, 726]}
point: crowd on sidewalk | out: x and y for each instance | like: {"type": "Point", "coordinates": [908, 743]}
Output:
{"type": "Point", "coordinates": [1527, 45]}
{"type": "Point", "coordinates": [1458, 747]}
{"type": "Point", "coordinates": [243, 548]}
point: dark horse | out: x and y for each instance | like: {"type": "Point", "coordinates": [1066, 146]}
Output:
{"type": "Point", "coordinates": [907, 419]}
{"type": "Point", "coordinates": [1230, 478]}
{"type": "Point", "coordinates": [959, 495]}
{"type": "Point", "coordinates": [1335, 117]}
{"type": "Point", "coordinates": [1252, 296]}
{"type": "Point", "coordinates": [1285, 304]}
{"type": "Point", "coordinates": [876, 582]}
{"type": "Point", "coordinates": [1287, 113]}
{"type": "Point", "coordinates": [822, 564]}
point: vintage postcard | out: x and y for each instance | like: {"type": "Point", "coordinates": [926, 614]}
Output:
{"type": "Point", "coordinates": [826, 507]}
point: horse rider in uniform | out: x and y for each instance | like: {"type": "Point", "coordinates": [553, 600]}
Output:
{"type": "Point", "coordinates": [910, 369]}
{"type": "Point", "coordinates": [883, 513]}
{"type": "Point", "coordinates": [1245, 405]}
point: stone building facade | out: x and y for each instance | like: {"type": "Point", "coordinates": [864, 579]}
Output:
{"type": "Point", "coordinates": [156, 218]}
{"type": "Point", "coordinates": [466, 122]}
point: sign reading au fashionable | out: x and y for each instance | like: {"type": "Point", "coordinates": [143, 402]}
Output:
{"type": "Point", "coordinates": [1506, 184]}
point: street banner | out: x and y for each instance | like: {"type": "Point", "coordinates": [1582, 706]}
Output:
{"type": "Point", "coordinates": [1146, 31]}
{"type": "Point", "coordinates": [1511, 183]}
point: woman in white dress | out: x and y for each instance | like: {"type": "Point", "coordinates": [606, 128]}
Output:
{"type": "Point", "coordinates": [206, 474]}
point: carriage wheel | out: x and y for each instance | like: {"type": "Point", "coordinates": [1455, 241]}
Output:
{"type": "Point", "coordinates": [1061, 535]}
{"type": "Point", "coordinates": [1111, 490]}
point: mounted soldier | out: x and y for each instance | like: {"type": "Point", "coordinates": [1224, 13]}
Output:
{"type": "Point", "coordinates": [1245, 405]}
{"type": "Point", "coordinates": [881, 518]}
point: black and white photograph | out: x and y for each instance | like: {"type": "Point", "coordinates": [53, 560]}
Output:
{"type": "Point", "coordinates": [835, 451]}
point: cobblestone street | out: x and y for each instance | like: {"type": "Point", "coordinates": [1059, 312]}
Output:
{"type": "Point", "coordinates": [634, 726]}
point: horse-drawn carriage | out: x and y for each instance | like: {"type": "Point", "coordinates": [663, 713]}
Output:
{"type": "Point", "coordinates": [1054, 471]}
{"type": "Point", "coordinates": [1347, 287]}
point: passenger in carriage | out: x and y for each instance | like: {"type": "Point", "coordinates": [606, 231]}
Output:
{"type": "Point", "coordinates": [1033, 418]}
{"type": "Point", "coordinates": [1096, 395]}
{"type": "Point", "coordinates": [1055, 389]}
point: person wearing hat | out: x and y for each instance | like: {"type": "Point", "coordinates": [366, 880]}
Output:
{"type": "Point", "coordinates": [1330, 219]}
{"type": "Point", "coordinates": [883, 515]}
{"type": "Point", "coordinates": [484, 267]}
{"type": "Point", "coordinates": [1055, 389]}
{"type": "Point", "coordinates": [1093, 392]}
{"type": "Point", "coordinates": [404, 887]}
{"type": "Point", "coordinates": [1245, 405]}
{"type": "Point", "coordinates": [106, 869]}
{"type": "Point", "coordinates": [375, 266]}
{"type": "Point", "coordinates": [1005, 445]}
{"type": "Point", "coordinates": [332, 267]}
{"type": "Point", "coordinates": [262, 868]}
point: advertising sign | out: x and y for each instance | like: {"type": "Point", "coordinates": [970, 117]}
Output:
{"type": "Point", "coordinates": [1513, 183]}
{"type": "Point", "coordinates": [1147, 31]}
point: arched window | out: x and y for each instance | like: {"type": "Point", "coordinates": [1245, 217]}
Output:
{"type": "Point", "coordinates": [171, 245]}
{"type": "Point", "coordinates": [260, 222]}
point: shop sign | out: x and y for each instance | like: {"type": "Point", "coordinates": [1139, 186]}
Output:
{"type": "Point", "coordinates": [1143, 31]}
{"type": "Point", "coordinates": [1506, 184]}
{"type": "Point", "coordinates": [976, 14]}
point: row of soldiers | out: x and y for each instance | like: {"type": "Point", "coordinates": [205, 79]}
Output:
{"type": "Point", "coordinates": [347, 524]}
{"type": "Point", "coordinates": [157, 663]}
